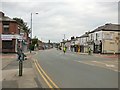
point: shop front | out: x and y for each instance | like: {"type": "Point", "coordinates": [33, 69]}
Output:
{"type": "Point", "coordinates": [10, 43]}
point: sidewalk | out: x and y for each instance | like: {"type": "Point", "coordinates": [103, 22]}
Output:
{"type": "Point", "coordinates": [10, 73]}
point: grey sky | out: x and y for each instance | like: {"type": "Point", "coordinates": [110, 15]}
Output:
{"type": "Point", "coordinates": [59, 17]}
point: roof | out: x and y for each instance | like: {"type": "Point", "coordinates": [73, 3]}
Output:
{"type": "Point", "coordinates": [5, 18]}
{"type": "Point", "coordinates": [84, 35]}
{"type": "Point", "coordinates": [107, 27]}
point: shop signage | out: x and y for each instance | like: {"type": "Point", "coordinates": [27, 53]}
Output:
{"type": "Point", "coordinates": [10, 37]}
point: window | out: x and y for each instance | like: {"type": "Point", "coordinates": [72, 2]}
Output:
{"type": "Point", "coordinates": [5, 27]}
{"type": "Point", "coordinates": [7, 44]}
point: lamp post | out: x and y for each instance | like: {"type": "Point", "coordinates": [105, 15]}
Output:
{"type": "Point", "coordinates": [64, 42]}
{"type": "Point", "coordinates": [31, 27]}
{"type": "Point", "coordinates": [31, 24]}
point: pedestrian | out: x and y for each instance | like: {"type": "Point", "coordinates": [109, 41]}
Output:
{"type": "Point", "coordinates": [19, 52]}
{"type": "Point", "coordinates": [64, 49]}
{"type": "Point", "coordinates": [89, 51]}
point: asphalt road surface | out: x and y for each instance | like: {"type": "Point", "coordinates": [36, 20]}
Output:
{"type": "Point", "coordinates": [72, 70]}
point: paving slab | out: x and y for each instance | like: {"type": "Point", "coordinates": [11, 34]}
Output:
{"type": "Point", "coordinates": [11, 78]}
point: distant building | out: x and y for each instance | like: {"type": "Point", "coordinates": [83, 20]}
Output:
{"type": "Point", "coordinates": [9, 33]}
{"type": "Point", "coordinates": [40, 45]}
{"type": "Point", "coordinates": [105, 39]}
{"type": "Point", "coordinates": [83, 43]}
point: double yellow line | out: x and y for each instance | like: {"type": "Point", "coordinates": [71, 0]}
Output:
{"type": "Point", "coordinates": [46, 78]}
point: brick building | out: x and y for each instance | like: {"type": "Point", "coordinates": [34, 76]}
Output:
{"type": "Point", "coordinates": [9, 33]}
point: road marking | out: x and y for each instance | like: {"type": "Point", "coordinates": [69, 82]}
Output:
{"type": "Point", "coordinates": [96, 65]}
{"type": "Point", "coordinates": [43, 77]}
{"type": "Point", "coordinates": [108, 65]}
{"type": "Point", "coordinates": [47, 77]}
{"type": "Point", "coordinates": [84, 62]}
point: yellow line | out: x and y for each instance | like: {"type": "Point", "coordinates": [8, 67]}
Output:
{"type": "Point", "coordinates": [47, 75]}
{"type": "Point", "coordinates": [43, 77]}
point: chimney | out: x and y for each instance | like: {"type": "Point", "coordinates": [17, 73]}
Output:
{"type": "Point", "coordinates": [1, 14]}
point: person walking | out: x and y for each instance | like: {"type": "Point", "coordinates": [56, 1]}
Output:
{"type": "Point", "coordinates": [89, 51]}
{"type": "Point", "coordinates": [64, 49]}
{"type": "Point", "coordinates": [19, 52]}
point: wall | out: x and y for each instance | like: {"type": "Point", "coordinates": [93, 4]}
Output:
{"type": "Point", "coordinates": [14, 28]}
{"type": "Point", "coordinates": [110, 43]}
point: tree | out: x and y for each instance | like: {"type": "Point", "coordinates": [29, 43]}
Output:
{"type": "Point", "coordinates": [34, 41]}
{"type": "Point", "coordinates": [22, 25]}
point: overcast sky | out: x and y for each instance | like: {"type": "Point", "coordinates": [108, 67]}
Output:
{"type": "Point", "coordinates": [59, 17]}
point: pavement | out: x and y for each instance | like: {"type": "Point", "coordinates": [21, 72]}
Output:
{"type": "Point", "coordinates": [10, 72]}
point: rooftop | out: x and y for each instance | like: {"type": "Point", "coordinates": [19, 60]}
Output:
{"type": "Point", "coordinates": [5, 18]}
{"type": "Point", "coordinates": [108, 27]}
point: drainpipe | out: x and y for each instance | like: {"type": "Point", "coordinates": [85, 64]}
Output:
{"type": "Point", "coordinates": [102, 43]}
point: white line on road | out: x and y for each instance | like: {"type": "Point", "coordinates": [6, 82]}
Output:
{"type": "Point", "coordinates": [108, 65]}
{"type": "Point", "coordinates": [88, 63]}
{"type": "Point", "coordinates": [84, 62]}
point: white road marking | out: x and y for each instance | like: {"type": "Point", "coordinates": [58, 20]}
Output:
{"type": "Point", "coordinates": [84, 62]}
{"type": "Point", "coordinates": [108, 66]}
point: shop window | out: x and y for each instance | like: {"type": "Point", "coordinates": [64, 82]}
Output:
{"type": "Point", "coordinates": [7, 44]}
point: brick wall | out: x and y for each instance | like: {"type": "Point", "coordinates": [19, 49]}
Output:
{"type": "Point", "coordinates": [13, 27]}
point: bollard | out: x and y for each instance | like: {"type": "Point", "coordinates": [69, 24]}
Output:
{"type": "Point", "coordinates": [20, 67]}
{"type": "Point", "coordinates": [21, 64]}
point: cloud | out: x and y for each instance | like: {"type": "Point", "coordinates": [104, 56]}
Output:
{"type": "Point", "coordinates": [58, 17]}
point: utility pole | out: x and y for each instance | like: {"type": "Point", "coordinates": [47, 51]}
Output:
{"type": "Point", "coordinates": [31, 26]}
{"type": "Point", "coordinates": [64, 36]}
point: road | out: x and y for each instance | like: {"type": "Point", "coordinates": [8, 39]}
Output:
{"type": "Point", "coordinates": [72, 70]}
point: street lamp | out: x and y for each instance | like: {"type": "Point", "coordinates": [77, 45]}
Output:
{"type": "Point", "coordinates": [64, 41]}
{"type": "Point", "coordinates": [31, 24]}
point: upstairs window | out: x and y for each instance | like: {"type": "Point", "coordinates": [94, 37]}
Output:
{"type": "Point", "coordinates": [5, 27]}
